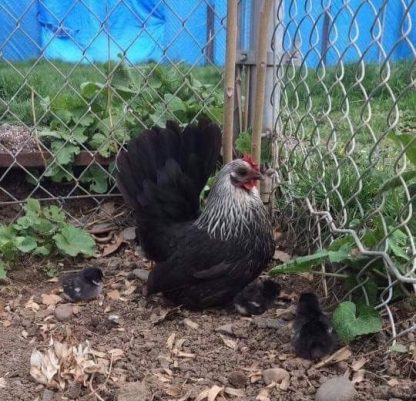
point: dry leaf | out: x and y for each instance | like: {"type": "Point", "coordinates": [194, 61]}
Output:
{"type": "Point", "coordinates": [358, 376]}
{"type": "Point", "coordinates": [228, 342]}
{"type": "Point", "coordinates": [191, 324]}
{"type": "Point", "coordinates": [113, 247]}
{"type": "Point", "coordinates": [31, 304]}
{"type": "Point", "coordinates": [50, 299]}
{"type": "Point", "coordinates": [3, 383]}
{"type": "Point", "coordinates": [234, 392]}
{"type": "Point", "coordinates": [170, 341]}
{"type": "Point", "coordinates": [210, 394]}
{"type": "Point", "coordinates": [114, 295]}
{"type": "Point", "coordinates": [282, 256]}
{"type": "Point", "coordinates": [164, 315]}
{"type": "Point", "coordinates": [130, 288]}
{"type": "Point", "coordinates": [393, 382]}
{"type": "Point", "coordinates": [341, 355]}
{"type": "Point", "coordinates": [263, 395]}
{"type": "Point", "coordinates": [357, 365]}
{"type": "Point", "coordinates": [173, 391]}
{"type": "Point", "coordinates": [7, 323]}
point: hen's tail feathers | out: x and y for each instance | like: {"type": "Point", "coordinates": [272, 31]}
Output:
{"type": "Point", "coordinates": [164, 171]}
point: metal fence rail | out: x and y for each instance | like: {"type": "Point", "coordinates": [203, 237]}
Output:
{"type": "Point", "coordinates": [346, 138]}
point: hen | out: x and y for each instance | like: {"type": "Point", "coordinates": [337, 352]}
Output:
{"type": "Point", "coordinates": [203, 258]}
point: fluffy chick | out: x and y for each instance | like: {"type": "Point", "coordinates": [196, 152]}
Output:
{"type": "Point", "coordinates": [313, 334]}
{"type": "Point", "coordinates": [84, 285]}
{"type": "Point", "coordinates": [257, 297]}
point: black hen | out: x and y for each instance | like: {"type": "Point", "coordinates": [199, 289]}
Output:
{"type": "Point", "coordinates": [203, 258]}
{"type": "Point", "coordinates": [313, 337]}
{"type": "Point", "coordinates": [257, 297]}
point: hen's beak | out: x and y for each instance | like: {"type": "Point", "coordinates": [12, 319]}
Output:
{"type": "Point", "coordinates": [255, 175]}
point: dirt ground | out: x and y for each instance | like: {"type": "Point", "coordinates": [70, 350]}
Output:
{"type": "Point", "coordinates": [173, 354]}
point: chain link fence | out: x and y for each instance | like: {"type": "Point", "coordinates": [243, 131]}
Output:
{"type": "Point", "coordinates": [345, 135]}
{"type": "Point", "coordinates": [84, 78]}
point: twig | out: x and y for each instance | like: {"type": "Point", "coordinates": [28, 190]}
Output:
{"type": "Point", "coordinates": [93, 391]}
{"type": "Point", "coordinates": [229, 81]}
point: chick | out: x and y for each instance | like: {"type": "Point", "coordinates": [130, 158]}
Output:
{"type": "Point", "coordinates": [313, 335]}
{"type": "Point", "coordinates": [84, 285]}
{"type": "Point", "coordinates": [256, 298]}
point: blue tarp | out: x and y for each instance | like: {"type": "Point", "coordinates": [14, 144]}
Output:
{"type": "Point", "coordinates": [176, 30]}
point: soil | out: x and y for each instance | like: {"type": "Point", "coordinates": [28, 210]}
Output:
{"type": "Point", "coordinates": [17, 138]}
{"type": "Point", "coordinates": [176, 354]}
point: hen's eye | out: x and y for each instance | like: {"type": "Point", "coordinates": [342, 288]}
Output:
{"type": "Point", "coordinates": [242, 171]}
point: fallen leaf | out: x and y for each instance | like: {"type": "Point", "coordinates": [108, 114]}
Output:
{"type": "Point", "coordinates": [236, 392]}
{"type": "Point", "coordinates": [3, 383]}
{"type": "Point", "coordinates": [164, 315]}
{"type": "Point", "coordinates": [228, 342]}
{"type": "Point", "coordinates": [191, 324]}
{"type": "Point", "coordinates": [114, 295]}
{"type": "Point", "coordinates": [341, 355]}
{"type": "Point", "coordinates": [393, 382]}
{"type": "Point", "coordinates": [113, 247]}
{"type": "Point", "coordinates": [357, 365]}
{"type": "Point", "coordinates": [358, 376]}
{"type": "Point", "coordinates": [7, 323]}
{"type": "Point", "coordinates": [31, 304]}
{"type": "Point", "coordinates": [282, 256]}
{"type": "Point", "coordinates": [50, 299]}
{"type": "Point", "coordinates": [170, 341]}
{"type": "Point", "coordinates": [263, 395]}
{"type": "Point", "coordinates": [210, 394]}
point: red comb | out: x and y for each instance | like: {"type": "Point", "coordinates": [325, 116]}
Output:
{"type": "Point", "coordinates": [247, 158]}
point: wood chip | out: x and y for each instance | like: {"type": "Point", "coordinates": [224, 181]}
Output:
{"type": "Point", "coordinates": [236, 392]}
{"type": "Point", "coordinates": [114, 295]}
{"type": "Point", "coordinates": [228, 342]}
{"type": "Point", "coordinates": [357, 365]}
{"type": "Point", "coordinates": [170, 341]}
{"type": "Point", "coordinates": [50, 299]}
{"type": "Point", "coordinates": [210, 394]}
{"type": "Point", "coordinates": [113, 247]}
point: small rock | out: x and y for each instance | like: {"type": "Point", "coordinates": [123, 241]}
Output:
{"type": "Point", "coordinates": [115, 319]}
{"type": "Point", "coordinates": [48, 395]}
{"type": "Point", "coordinates": [132, 392]}
{"type": "Point", "coordinates": [336, 389]}
{"type": "Point", "coordinates": [237, 379]}
{"type": "Point", "coordinates": [141, 274]}
{"type": "Point", "coordinates": [275, 375]}
{"type": "Point", "coordinates": [63, 312]}
{"type": "Point", "coordinates": [129, 233]}
{"type": "Point", "coordinates": [225, 329]}
{"type": "Point", "coordinates": [73, 391]}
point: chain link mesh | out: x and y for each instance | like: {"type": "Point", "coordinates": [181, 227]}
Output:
{"type": "Point", "coordinates": [62, 124]}
{"type": "Point", "coordinates": [346, 137]}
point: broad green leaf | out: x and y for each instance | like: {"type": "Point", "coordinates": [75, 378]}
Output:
{"type": "Point", "coordinates": [409, 142]}
{"type": "Point", "coordinates": [41, 251]}
{"type": "Point", "coordinates": [97, 178]}
{"type": "Point", "coordinates": [174, 103]}
{"type": "Point", "coordinates": [64, 152]}
{"type": "Point", "coordinates": [55, 214]}
{"type": "Point", "coordinates": [351, 321]}
{"type": "Point", "coordinates": [26, 244]}
{"type": "Point", "coordinates": [3, 272]}
{"type": "Point", "coordinates": [89, 89]}
{"type": "Point", "coordinates": [73, 241]}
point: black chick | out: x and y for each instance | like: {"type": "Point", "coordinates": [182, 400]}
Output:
{"type": "Point", "coordinates": [313, 335]}
{"type": "Point", "coordinates": [84, 285]}
{"type": "Point", "coordinates": [256, 297]}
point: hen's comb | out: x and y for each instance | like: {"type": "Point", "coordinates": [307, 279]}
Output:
{"type": "Point", "coordinates": [247, 158]}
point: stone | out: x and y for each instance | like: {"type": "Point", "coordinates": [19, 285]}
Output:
{"type": "Point", "coordinates": [63, 312]}
{"type": "Point", "coordinates": [336, 389]}
{"type": "Point", "coordinates": [237, 379]}
{"type": "Point", "coordinates": [140, 274]}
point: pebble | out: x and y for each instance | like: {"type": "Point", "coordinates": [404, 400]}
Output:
{"type": "Point", "coordinates": [237, 379]}
{"type": "Point", "coordinates": [225, 329]}
{"type": "Point", "coordinates": [336, 389]}
{"type": "Point", "coordinates": [141, 274]}
{"type": "Point", "coordinates": [263, 323]}
{"type": "Point", "coordinates": [129, 233]}
{"type": "Point", "coordinates": [274, 375]}
{"type": "Point", "coordinates": [63, 312]}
